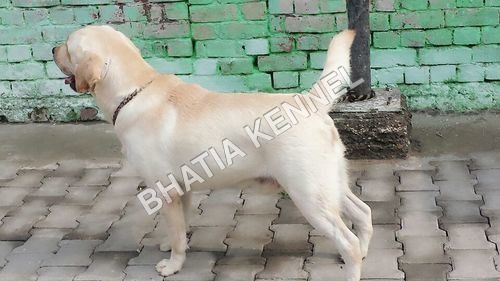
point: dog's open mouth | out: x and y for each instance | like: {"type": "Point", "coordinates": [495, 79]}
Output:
{"type": "Point", "coordinates": [70, 80]}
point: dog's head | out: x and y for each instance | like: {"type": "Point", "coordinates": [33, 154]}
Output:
{"type": "Point", "coordinates": [86, 55]}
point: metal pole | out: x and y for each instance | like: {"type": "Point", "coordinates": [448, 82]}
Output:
{"type": "Point", "coordinates": [359, 20]}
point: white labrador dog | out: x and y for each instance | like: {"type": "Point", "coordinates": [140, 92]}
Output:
{"type": "Point", "coordinates": [228, 140]}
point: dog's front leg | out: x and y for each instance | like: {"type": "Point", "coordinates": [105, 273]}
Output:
{"type": "Point", "coordinates": [176, 227]}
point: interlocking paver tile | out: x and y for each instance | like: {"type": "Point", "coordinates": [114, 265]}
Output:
{"type": "Point", "coordinates": [454, 170]}
{"type": "Point", "coordinates": [457, 190]}
{"type": "Point", "coordinates": [491, 205]}
{"type": "Point", "coordinates": [73, 253]}
{"type": "Point", "coordinates": [106, 266]}
{"type": "Point", "coordinates": [92, 226]}
{"type": "Point", "coordinates": [419, 224]}
{"type": "Point", "coordinates": [122, 186]}
{"type": "Point", "coordinates": [461, 212]}
{"type": "Point", "coordinates": [69, 168]}
{"type": "Point", "coordinates": [324, 271]}
{"type": "Point", "coordinates": [378, 171]}
{"type": "Point", "coordinates": [8, 170]}
{"type": "Point", "coordinates": [142, 273]}
{"type": "Point", "coordinates": [424, 250]}
{"type": "Point", "coordinates": [159, 233]}
{"type": "Point", "coordinates": [229, 196]}
{"type": "Point", "coordinates": [467, 237]}
{"type": "Point", "coordinates": [18, 227]}
{"type": "Point", "coordinates": [416, 180]}
{"type": "Point", "coordinates": [22, 266]}
{"type": "Point", "coordinates": [6, 248]}
{"type": "Point", "coordinates": [53, 186]}
{"type": "Point", "coordinates": [384, 237]}
{"type": "Point", "coordinates": [13, 196]}
{"type": "Point", "coordinates": [473, 264]}
{"type": "Point", "coordinates": [27, 178]}
{"type": "Point", "coordinates": [235, 272]}
{"type": "Point", "coordinates": [149, 255]}
{"type": "Point", "coordinates": [382, 264]}
{"type": "Point", "coordinates": [424, 201]}
{"type": "Point", "coordinates": [94, 177]}
{"type": "Point", "coordinates": [324, 247]}
{"type": "Point", "coordinates": [378, 189]}
{"type": "Point", "coordinates": [36, 206]}
{"type": "Point", "coordinates": [56, 273]}
{"type": "Point", "coordinates": [259, 204]}
{"type": "Point", "coordinates": [485, 160]}
{"type": "Point", "coordinates": [241, 260]}
{"type": "Point", "coordinates": [215, 215]}
{"type": "Point", "coordinates": [62, 216]}
{"type": "Point", "coordinates": [384, 212]}
{"type": "Point", "coordinates": [209, 238]}
{"type": "Point", "coordinates": [425, 272]}
{"type": "Point", "coordinates": [283, 267]}
{"type": "Point", "coordinates": [289, 239]}
{"type": "Point", "coordinates": [42, 241]}
{"type": "Point", "coordinates": [110, 205]}
{"type": "Point", "coordinates": [250, 235]}
{"type": "Point", "coordinates": [198, 267]}
{"type": "Point", "coordinates": [494, 226]}
{"type": "Point", "coordinates": [81, 195]}
{"type": "Point", "coordinates": [289, 213]}
{"type": "Point", "coordinates": [488, 180]}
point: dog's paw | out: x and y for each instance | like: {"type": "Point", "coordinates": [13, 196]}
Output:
{"type": "Point", "coordinates": [165, 246]}
{"type": "Point", "coordinates": [167, 267]}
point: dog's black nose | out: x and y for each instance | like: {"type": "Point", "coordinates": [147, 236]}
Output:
{"type": "Point", "coordinates": [54, 50]}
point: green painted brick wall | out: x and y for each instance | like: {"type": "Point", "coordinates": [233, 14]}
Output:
{"type": "Point", "coordinates": [444, 54]}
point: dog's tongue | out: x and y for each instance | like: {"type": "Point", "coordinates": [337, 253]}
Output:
{"type": "Point", "coordinates": [69, 79]}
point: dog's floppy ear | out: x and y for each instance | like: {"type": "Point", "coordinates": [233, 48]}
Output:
{"type": "Point", "coordinates": [88, 72]}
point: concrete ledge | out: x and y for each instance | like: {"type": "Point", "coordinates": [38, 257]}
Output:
{"type": "Point", "coordinates": [378, 128]}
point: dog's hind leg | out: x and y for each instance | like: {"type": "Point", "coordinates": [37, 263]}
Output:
{"type": "Point", "coordinates": [360, 214]}
{"type": "Point", "coordinates": [176, 227]}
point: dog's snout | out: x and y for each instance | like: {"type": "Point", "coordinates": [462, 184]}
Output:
{"type": "Point", "coordinates": [54, 50]}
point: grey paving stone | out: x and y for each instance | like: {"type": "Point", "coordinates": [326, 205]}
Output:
{"type": "Point", "coordinates": [468, 237]}
{"type": "Point", "coordinates": [229, 196]}
{"type": "Point", "coordinates": [42, 241]}
{"type": "Point", "coordinates": [414, 162]}
{"type": "Point", "coordinates": [38, 206]}
{"type": "Point", "coordinates": [110, 205]}
{"type": "Point", "coordinates": [22, 266]}
{"type": "Point", "coordinates": [73, 253]}
{"type": "Point", "coordinates": [158, 235]}
{"type": "Point", "coordinates": [149, 255]}
{"type": "Point", "coordinates": [384, 237]}
{"type": "Point", "coordinates": [6, 248]}
{"type": "Point", "coordinates": [488, 180]}
{"type": "Point", "coordinates": [283, 267]}
{"type": "Point", "coordinates": [455, 190]}
{"type": "Point", "coordinates": [428, 250]}
{"type": "Point", "coordinates": [81, 195]}
{"type": "Point", "coordinates": [27, 178]}
{"type": "Point", "coordinates": [242, 260]}
{"type": "Point", "coordinates": [384, 212]}
{"type": "Point", "coordinates": [453, 170]}
{"type": "Point", "coordinates": [416, 180]}
{"type": "Point", "coordinates": [8, 170]}
{"type": "Point", "coordinates": [289, 239]}
{"type": "Point", "coordinates": [209, 238]}
{"type": "Point", "coordinates": [378, 171]}
{"type": "Point", "coordinates": [378, 189]}
{"type": "Point", "coordinates": [13, 196]}
{"type": "Point", "coordinates": [122, 186]}
{"type": "Point", "coordinates": [215, 215]}
{"type": "Point", "coordinates": [70, 168]}
{"type": "Point", "coordinates": [4, 211]}
{"type": "Point", "coordinates": [419, 224]}
{"type": "Point", "coordinates": [323, 271]}
{"type": "Point", "coordinates": [382, 264]}
{"type": "Point", "coordinates": [461, 212]}
{"type": "Point", "coordinates": [494, 226]}
{"type": "Point", "coordinates": [259, 204]}
{"type": "Point", "coordinates": [245, 272]}
{"type": "Point", "coordinates": [424, 201]}
{"type": "Point", "coordinates": [425, 272]}
{"type": "Point", "coordinates": [491, 205]}
{"type": "Point", "coordinates": [473, 264]}
{"type": "Point", "coordinates": [53, 186]}
{"type": "Point", "coordinates": [485, 160]}
{"type": "Point", "coordinates": [106, 266]}
{"type": "Point", "coordinates": [94, 177]}
{"type": "Point", "coordinates": [92, 226]}
{"type": "Point", "coordinates": [250, 235]}
{"type": "Point", "coordinates": [18, 227]}
{"type": "Point", "coordinates": [198, 267]}
{"type": "Point", "coordinates": [62, 216]}
{"type": "Point", "coordinates": [142, 273]}
{"type": "Point", "coordinates": [289, 213]}
{"type": "Point", "coordinates": [55, 273]}
{"type": "Point", "coordinates": [324, 247]}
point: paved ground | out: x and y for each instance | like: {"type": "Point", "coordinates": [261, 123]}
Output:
{"type": "Point", "coordinates": [74, 217]}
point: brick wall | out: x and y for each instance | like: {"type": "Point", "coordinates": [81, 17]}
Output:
{"type": "Point", "coordinates": [444, 54]}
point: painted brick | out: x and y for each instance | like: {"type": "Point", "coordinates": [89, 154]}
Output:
{"type": "Point", "coordinates": [167, 30]}
{"type": "Point", "coordinates": [472, 17]}
{"type": "Point", "coordinates": [180, 48]}
{"type": "Point", "coordinates": [341, 22]}
{"type": "Point", "coordinates": [308, 78]}
{"type": "Point", "coordinates": [470, 73]}
{"type": "Point", "coordinates": [42, 51]}
{"type": "Point", "coordinates": [18, 53]}
{"type": "Point", "coordinates": [57, 33]}
{"type": "Point", "coordinates": [5, 88]}
{"type": "Point", "coordinates": [389, 76]}
{"type": "Point", "coordinates": [417, 75]}
{"type": "Point", "coordinates": [280, 6]}
{"type": "Point", "coordinates": [393, 57]}
{"type": "Point", "coordinates": [220, 48]}
{"type": "Point", "coordinates": [85, 2]}
{"type": "Point", "coordinates": [236, 65]}
{"type": "Point", "coordinates": [442, 4]}
{"type": "Point", "coordinates": [200, 2]}
{"type": "Point", "coordinates": [61, 16]}
{"type": "Point", "coordinates": [379, 21]}
{"type": "Point", "coordinates": [307, 6]}
{"type": "Point", "coordinates": [317, 60]}
{"type": "Point", "coordinates": [281, 44]}
{"type": "Point", "coordinates": [443, 73]}
{"type": "Point", "coordinates": [277, 23]}
{"type": "Point", "coordinates": [20, 35]}
{"type": "Point", "coordinates": [213, 13]}
{"type": "Point", "coordinates": [257, 47]}
{"type": "Point", "coordinates": [413, 5]}
{"type": "Point", "coordinates": [37, 17]}
{"type": "Point", "coordinates": [243, 30]}
{"type": "Point", "coordinates": [177, 66]}
{"type": "Point", "coordinates": [385, 5]}
{"type": "Point", "coordinates": [204, 31]}
{"type": "Point", "coordinates": [492, 71]}
{"type": "Point", "coordinates": [332, 6]}
{"type": "Point", "coordinates": [281, 62]}
{"type": "Point", "coordinates": [439, 37]}
{"type": "Point", "coordinates": [308, 42]}
{"type": "Point", "coordinates": [309, 23]}
{"type": "Point", "coordinates": [285, 79]}
{"type": "Point", "coordinates": [53, 71]}
{"type": "Point", "coordinates": [491, 34]}
{"type": "Point", "coordinates": [3, 53]}
{"type": "Point", "coordinates": [417, 19]}
{"type": "Point", "coordinates": [176, 11]}
{"type": "Point", "coordinates": [205, 66]}
{"type": "Point", "coordinates": [486, 53]}
{"type": "Point", "coordinates": [111, 13]}
{"type": "Point", "coordinates": [445, 55]}
{"type": "Point", "coordinates": [22, 71]}
{"type": "Point", "coordinates": [492, 3]}
{"type": "Point", "coordinates": [85, 15]}
{"type": "Point", "coordinates": [414, 38]}
{"type": "Point", "coordinates": [259, 81]}
{"type": "Point", "coordinates": [254, 11]}
{"type": "Point", "coordinates": [466, 36]}
{"type": "Point", "coordinates": [469, 3]}
{"type": "Point", "coordinates": [34, 3]}
{"type": "Point", "coordinates": [384, 40]}
{"type": "Point", "coordinates": [11, 17]}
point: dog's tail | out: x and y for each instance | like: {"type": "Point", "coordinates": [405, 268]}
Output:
{"type": "Point", "coordinates": [337, 65]}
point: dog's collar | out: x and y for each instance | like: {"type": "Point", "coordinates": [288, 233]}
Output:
{"type": "Point", "coordinates": [128, 99]}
